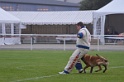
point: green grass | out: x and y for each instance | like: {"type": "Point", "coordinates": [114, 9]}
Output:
{"type": "Point", "coordinates": [44, 65]}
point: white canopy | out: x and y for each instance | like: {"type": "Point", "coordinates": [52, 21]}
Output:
{"type": "Point", "coordinates": [9, 24]}
{"type": "Point", "coordinates": [114, 7]}
{"type": "Point", "coordinates": [6, 17]}
{"type": "Point", "coordinates": [53, 17]}
{"type": "Point", "coordinates": [99, 16]}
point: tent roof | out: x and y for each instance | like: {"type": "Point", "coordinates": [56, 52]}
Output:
{"type": "Point", "coordinates": [115, 6]}
{"type": "Point", "coordinates": [53, 17]}
{"type": "Point", "coordinates": [6, 17]}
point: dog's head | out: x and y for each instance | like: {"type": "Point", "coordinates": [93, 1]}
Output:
{"type": "Point", "coordinates": [102, 60]}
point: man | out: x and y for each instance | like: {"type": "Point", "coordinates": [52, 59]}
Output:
{"type": "Point", "coordinates": [83, 46]}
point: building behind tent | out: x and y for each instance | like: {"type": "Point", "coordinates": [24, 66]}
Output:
{"type": "Point", "coordinates": [38, 5]}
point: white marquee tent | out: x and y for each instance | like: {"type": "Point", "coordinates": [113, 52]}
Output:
{"type": "Point", "coordinates": [99, 16]}
{"type": "Point", "coordinates": [9, 24]}
{"type": "Point", "coordinates": [53, 17]}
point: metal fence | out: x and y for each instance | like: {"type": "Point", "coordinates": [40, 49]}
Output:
{"type": "Point", "coordinates": [58, 42]}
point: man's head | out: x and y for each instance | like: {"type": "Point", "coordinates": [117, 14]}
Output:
{"type": "Point", "coordinates": [79, 25]}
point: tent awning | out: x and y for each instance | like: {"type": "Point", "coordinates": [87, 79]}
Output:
{"type": "Point", "coordinates": [53, 17]}
{"type": "Point", "coordinates": [6, 17]}
{"type": "Point", "coordinates": [114, 7]}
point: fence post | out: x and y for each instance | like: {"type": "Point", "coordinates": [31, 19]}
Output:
{"type": "Point", "coordinates": [98, 43]}
{"type": "Point", "coordinates": [64, 43]}
{"type": "Point", "coordinates": [31, 41]}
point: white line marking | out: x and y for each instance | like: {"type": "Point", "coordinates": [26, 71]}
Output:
{"type": "Point", "coordinates": [35, 78]}
{"type": "Point", "coordinates": [118, 67]}
{"type": "Point", "coordinates": [41, 77]}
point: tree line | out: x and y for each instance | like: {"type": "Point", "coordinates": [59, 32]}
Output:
{"type": "Point", "coordinates": [93, 4]}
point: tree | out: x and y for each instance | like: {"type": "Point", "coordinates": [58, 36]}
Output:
{"type": "Point", "coordinates": [93, 4]}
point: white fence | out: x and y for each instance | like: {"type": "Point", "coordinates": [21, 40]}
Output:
{"type": "Point", "coordinates": [58, 41]}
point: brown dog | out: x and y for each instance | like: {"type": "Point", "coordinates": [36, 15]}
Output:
{"type": "Point", "coordinates": [92, 61]}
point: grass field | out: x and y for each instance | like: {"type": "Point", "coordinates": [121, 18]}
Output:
{"type": "Point", "coordinates": [44, 65]}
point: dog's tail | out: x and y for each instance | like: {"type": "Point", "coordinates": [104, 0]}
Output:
{"type": "Point", "coordinates": [97, 55]}
{"type": "Point", "coordinates": [102, 58]}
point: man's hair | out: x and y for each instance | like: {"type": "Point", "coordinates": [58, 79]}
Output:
{"type": "Point", "coordinates": [80, 24]}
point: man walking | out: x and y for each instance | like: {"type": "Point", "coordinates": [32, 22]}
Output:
{"type": "Point", "coordinates": [83, 46]}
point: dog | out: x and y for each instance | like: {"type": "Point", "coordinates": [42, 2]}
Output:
{"type": "Point", "coordinates": [92, 61]}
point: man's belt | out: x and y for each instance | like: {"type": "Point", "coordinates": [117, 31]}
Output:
{"type": "Point", "coordinates": [82, 46]}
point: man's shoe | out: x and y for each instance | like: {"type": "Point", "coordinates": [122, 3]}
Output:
{"type": "Point", "coordinates": [63, 72]}
{"type": "Point", "coordinates": [80, 71]}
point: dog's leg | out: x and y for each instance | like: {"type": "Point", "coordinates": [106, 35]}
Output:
{"type": "Point", "coordinates": [85, 68]}
{"type": "Point", "coordinates": [105, 68]}
{"type": "Point", "coordinates": [99, 68]}
{"type": "Point", "coordinates": [91, 70]}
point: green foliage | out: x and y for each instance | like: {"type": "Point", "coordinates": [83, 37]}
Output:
{"type": "Point", "coordinates": [93, 4]}
{"type": "Point", "coordinates": [44, 65]}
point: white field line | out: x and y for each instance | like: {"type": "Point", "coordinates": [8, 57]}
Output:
{"type": "Point", "coordinates": [117, 67]}
{"type": "Point", "coordinates": [35, 78]}
{"type": "Point", "coordinates": [41, 77]}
